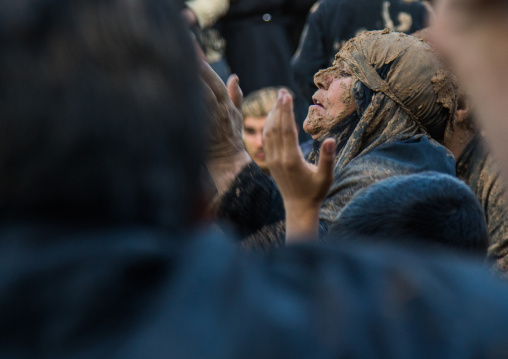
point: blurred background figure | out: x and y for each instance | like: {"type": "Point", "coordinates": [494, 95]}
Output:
{"type": "Point", "coordinates": [202, 15]}
{"type": "Point", "coordinates": [255, 109]}
{"type": "Point", "coordinates": [476, 166]}
{"type": "Point", "coordinates": [331, 23]}
{"type": "Point", "coordinates": [478, 169]}
{"type": "Point", "coordinates": [261, 37]}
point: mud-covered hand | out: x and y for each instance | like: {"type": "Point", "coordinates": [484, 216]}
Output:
{"type": "Point", "coordinates": [226, 155]}
{"type": "Point", "coordinates": [303, 186]}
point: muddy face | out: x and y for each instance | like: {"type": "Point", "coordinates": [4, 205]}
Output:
{"type": "Point", "coordinates": [333, 101]}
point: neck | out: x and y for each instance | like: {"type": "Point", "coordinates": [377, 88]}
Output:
{"type": "Point", "coordinates": [459, 140]}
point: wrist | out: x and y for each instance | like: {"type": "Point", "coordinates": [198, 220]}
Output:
{"type": "Point", "coordinates": [226, 151]}
{"type": "Point", "coordinates": [224, 169]}
{"type": "Point", "coordinates": [302, 222]}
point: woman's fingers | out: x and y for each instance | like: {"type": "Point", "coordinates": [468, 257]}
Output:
{"type": "Point", "coordinates": [271, 134]}
{"type": "Point", "coordinates": [281, 135]}
{"type": "Point", "coordinates": [289, 132]}
{"type": "Point", "coordinates": [326, 163]}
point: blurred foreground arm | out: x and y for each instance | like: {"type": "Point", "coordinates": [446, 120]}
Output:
{"type": "Point", "coordinates": [302, 185]}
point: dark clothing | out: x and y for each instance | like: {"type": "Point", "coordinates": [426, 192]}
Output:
{"type": "Point", "coordinates": [477, 168]}
{"type": "Point", "coordinates": [251, 189]}
{"type": "Point", "coordinates": [333, 22]}
{"type": "Point", "coordinates": [258, 44]}
{"type": "Point", "coordinates": [131, 292]}
{"type": "Point", "coordinates": [260, 41]}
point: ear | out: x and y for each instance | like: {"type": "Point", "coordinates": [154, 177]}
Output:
{"type": "Point", "coordinates": [463, 110]}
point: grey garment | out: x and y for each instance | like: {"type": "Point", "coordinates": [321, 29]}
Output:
{"type": "Point", "coordinates": [403, 157]}
{"type": "Point", "coordinates": [477, 168]}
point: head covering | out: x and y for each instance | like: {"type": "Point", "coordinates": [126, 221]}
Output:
{"type": "Point", "coordinates": [411, 92]}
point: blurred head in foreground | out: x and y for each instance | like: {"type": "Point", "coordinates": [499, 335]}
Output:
{"type": "Point", "coordinates": [433, 208]}
{"type": "Point", "coordinates": [89, 95]}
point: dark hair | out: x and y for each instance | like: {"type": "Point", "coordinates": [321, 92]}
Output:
{"type": "Point", "coordinates": [97, 108]}
{"type": "Point", "coordinates": [430, 207]}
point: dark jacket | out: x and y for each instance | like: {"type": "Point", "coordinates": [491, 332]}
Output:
{"type": "Point", "coordinates": [260, 40]}
{"type": "Point", "coordinates": [70, 291]}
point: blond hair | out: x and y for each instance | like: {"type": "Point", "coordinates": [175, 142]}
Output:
{"type": "Point", "coordinates": [260, 102]}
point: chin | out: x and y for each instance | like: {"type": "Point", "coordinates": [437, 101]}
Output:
{"type": "Point", "coordinates": [312, 127]}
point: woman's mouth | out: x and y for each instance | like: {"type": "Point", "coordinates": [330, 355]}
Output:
{"type": "Point", "coordinates": [317, 103]}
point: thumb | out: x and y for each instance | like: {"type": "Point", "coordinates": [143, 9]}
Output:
{"type": "Point", "coordinates": [326, 160]}
{"type": "Point", "coordinates": [234, 91]}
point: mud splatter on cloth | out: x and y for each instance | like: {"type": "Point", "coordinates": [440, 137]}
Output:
{"type": "Point", "coordinates": [476, 167]}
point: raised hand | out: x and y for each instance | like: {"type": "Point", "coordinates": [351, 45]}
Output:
{"type": "Point", "coordinates": [303, 186]}
{"type": "Point", "coordinates": [226, 155]}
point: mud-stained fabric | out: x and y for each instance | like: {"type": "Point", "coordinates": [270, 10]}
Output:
{"type": "Point", "coordinates": [411, 95]}
{"type": "Point", "coordinates": [477, 168]}
{"type": "Point", "coordinates": [331, 23]}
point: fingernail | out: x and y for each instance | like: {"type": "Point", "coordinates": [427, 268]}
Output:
{"type": "Point", "coordinates": [329, 147]}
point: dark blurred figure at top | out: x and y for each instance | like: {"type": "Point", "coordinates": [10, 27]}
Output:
{"type": "Point", "coordinates": [331, 23]}
{"type": "Point", "coordinates": [261, 37]}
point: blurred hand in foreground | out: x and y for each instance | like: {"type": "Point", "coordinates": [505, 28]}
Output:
{"type": "Point", "coordinates": [226, 155]}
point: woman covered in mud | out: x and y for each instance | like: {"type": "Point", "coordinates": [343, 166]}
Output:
{"type": "Point", "coordinates": [385, 102]}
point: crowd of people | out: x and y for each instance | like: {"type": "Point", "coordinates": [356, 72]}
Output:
{"type": "Point", "coordinates": [150, 210]}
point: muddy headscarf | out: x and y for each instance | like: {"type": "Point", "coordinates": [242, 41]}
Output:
{"type": "Point", "coordinates": [401, 90]}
